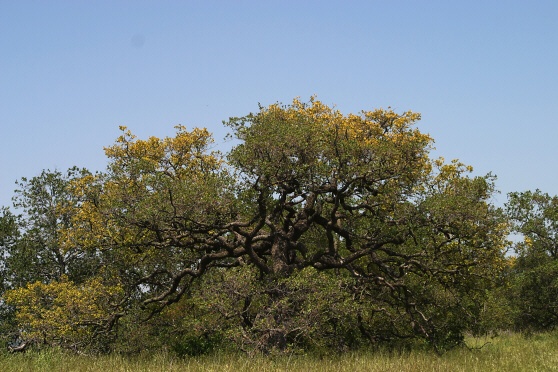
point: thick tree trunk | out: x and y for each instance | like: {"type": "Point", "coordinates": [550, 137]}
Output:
{"type": "Point", "coordinates": [279, 257]}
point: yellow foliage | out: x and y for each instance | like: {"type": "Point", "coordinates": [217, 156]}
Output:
{"type": "Point", "coordinates": [62, 312]}
{"type": "Point", "coordinates": [144, 175]}
{"type": "Point", "coordinates": [179, 155]}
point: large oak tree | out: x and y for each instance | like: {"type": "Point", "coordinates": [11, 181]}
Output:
{"type": "Point", "coordinates": [407, 243]}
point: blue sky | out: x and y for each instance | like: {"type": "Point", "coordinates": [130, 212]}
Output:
{"type": "Point", "coordinates": [484, 74]}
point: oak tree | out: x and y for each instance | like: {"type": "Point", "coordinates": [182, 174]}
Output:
{"type": "Point", "coordinates": [316, 224]}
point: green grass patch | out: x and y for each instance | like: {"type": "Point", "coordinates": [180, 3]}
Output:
{"type": "Point", "coordinates": [508, 352]}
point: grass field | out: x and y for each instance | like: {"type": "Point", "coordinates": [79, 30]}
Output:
{"type": "Point", "coordinates": [510, 352]}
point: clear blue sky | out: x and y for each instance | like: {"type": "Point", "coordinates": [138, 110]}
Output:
{"type": "Point", "coordinates": [484, 74]}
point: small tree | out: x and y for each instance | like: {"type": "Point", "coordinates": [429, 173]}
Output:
{"type": "Point", "coordinates": [36, 252]}
{"type": "Point", "coordinates": [535, 280]}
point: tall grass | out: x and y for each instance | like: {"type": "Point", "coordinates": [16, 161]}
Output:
{"type": "Point", "coordinates": [510, 352]}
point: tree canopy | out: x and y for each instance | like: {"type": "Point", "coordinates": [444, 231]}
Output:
{"type": "Point", "coordinates": [316, 225]}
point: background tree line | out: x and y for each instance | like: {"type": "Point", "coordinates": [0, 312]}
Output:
{"type": "Point", "coordinates": [317, 231]}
